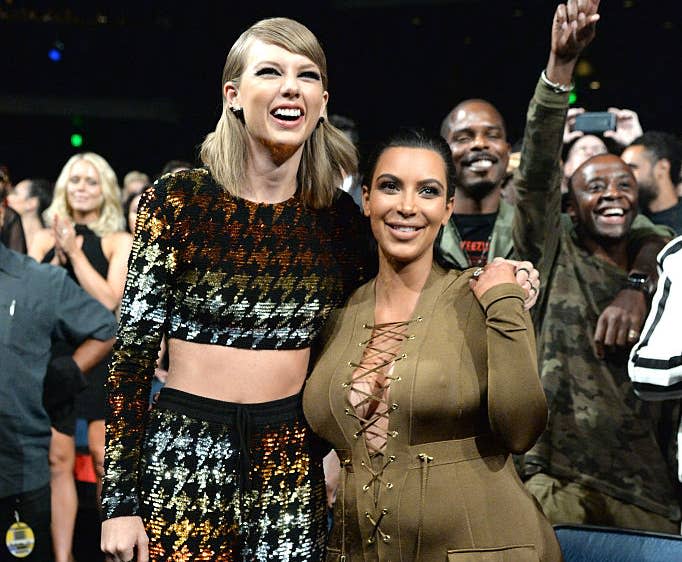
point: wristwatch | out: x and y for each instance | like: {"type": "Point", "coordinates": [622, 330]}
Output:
{"type": "Point", "coordinates": [639, 282]}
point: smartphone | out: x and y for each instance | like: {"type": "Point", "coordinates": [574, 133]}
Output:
{"type": "Point", "coordinates": [595, 122]}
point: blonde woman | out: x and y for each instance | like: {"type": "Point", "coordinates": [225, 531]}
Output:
{"type": "Point", "coordinates": [238, 264]}
{"type": "Point", "coordinates": [86, 237]}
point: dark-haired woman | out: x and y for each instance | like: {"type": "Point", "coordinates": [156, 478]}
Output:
{"type": "Point", "coordinates": [426, 383]}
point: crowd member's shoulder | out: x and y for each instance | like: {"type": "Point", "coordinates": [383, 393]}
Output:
{"type": "Point", "coordinates": [117, 241]}
{"type": "Point", "coordinates": [43, 242]}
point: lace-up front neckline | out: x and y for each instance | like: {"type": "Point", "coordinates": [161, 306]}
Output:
{"type": "Point", "coordinates": [371, 380]}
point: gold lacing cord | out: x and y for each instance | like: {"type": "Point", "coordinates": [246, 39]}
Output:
{"type": "Point", "coordinates": [425, 460]}
{"type": "Point", "coordinates": [394, 334]}
{"type": "Point", "coordinates": [377, 529]}
{"type": "Point", "coordinates": [384, 348]}
{"type": "Point", "coordinates": [376, 476]}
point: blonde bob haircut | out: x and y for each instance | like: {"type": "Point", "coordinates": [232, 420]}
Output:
{"type": "Point", "coordinates": [327, 153]}
{"type": "Point", "coordinates": [110, 212]}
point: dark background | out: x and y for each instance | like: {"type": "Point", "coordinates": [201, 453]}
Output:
{"type": "Point", "coordinates": [141, 81]}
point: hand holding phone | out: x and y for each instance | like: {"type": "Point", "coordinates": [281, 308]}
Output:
{"type": "Point", "coordinates": [628, 127]}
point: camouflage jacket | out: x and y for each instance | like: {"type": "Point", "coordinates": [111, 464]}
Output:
{"type": "Point", "coordinates": [599, 433]}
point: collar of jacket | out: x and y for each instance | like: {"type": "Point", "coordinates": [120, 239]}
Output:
{"type": "Point", "coordinates": [501, 244]}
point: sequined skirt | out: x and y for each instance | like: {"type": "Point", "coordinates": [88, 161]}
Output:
{"type": "Point", "coordinates": [230, 482]}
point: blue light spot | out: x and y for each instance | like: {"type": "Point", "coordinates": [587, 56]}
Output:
{"type": "Point", "coordinates": [54, 55]}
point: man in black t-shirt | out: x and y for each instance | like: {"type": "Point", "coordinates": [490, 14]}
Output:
{"type": "Point", "coordinates": [477, 137]}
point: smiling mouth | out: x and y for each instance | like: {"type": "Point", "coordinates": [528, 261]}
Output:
{"type": "Point", "coordinates": [481, 163]}
{"type": "Point", "coordinates": [287, 114]}
{"type": "Point", "coordinates": [613, 215]}
{"type": "Point", "coordinates": [404, 228]}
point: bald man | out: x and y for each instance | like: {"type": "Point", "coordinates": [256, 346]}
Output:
{"type": "Point", "coordinates": [602, 459]}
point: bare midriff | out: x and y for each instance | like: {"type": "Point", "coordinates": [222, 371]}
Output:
{"type": "Point", "coordinates": [237, 375]}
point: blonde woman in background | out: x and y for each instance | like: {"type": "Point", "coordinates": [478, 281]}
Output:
{"type": "Point", "coordinates": [85, 236]}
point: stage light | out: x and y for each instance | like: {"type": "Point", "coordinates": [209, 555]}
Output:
{"type": "Point", "coordinates": [54, 55]}
{"type": "Point", "coordinates": [572, 97]}
{"type": "Point", "coordinates": [76, 140]}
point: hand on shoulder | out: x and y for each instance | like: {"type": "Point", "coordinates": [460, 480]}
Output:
{"type": "Point", "coordinates": [501, 271]}
{"type": "Point", "coordinates": [494, 273]}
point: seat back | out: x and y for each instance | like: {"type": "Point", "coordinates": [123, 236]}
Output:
{"type": "Point", "coordinates": [589, 543]}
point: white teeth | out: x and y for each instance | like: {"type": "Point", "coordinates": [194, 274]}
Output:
{"type": "Point", "coordinates": [613, 213]}
{"type": "Point", "coordinates": [288, 112]}
{"type": "Point", "coordinates": [405, 228]}
{"type": "Point", "coordinates": [481, 164]}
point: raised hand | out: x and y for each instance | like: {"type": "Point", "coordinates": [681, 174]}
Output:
{"type": "Point", "coordinates": [574, 27]}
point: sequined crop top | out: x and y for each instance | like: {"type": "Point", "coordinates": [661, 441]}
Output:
{"type": "Point", "coordinates": [209, 267]}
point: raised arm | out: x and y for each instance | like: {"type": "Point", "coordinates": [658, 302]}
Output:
{"type": "Point", "coordinates": [538, 178]}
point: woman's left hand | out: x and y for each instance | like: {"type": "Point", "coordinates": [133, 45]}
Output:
{"type": "Point", "coordinates": [501, 270]}
{"type": "Point", "coordinates": [66, 240]}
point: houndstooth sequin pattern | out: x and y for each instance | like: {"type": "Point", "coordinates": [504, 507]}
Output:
{"type": "Point", "coordinates": [209, 267]}
{"type": "Point", "coordinates": [194, 509]}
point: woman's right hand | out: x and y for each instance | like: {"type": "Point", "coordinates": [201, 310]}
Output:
{"type": "Point", "coordinates": [120, 537]}
{"type": "Point", "coordinates": [495, 273]}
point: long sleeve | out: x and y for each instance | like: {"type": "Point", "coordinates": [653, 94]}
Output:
{"type": "Point", "coordinates": [143, 317]}
{"type": "Point", "coordinates": [517, 409]}
{"type": "Point", "coordinates": [538, 179]}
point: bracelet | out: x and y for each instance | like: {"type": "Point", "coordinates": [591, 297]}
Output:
{"type": "Point", "coordinates": [555, 86]}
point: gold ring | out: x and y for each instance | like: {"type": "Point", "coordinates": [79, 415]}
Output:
{"type": "Point", "coordinates": [633, 334]}
{"type": "Point", "coordinates": [478, 272]}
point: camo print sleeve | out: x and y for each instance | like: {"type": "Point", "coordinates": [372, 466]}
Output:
{"type": "Point", "coordinates": [517, 409]}
{"type": "Point", "coordinates": [537, 180]}
{"type": "Point", "coordinates": [143, 315]}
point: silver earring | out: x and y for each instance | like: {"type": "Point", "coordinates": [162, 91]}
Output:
{"type": "Point", "coordinates": [238, 112]}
